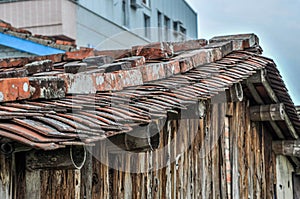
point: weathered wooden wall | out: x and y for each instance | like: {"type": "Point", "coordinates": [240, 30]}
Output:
{"type": "Point", "coordinates": [200, 170]}
{"type": "Point", "coordinates": [194, 152]}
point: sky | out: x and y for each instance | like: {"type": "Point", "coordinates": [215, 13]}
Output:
{"type": "Point", "coordinates": [275, 22]}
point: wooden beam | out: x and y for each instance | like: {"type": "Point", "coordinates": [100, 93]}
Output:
{"type": "Point", "coordinates": [259, 100]}
{"type": "Point", "coordinates": [290, 126]}
{"type": "Point", "coordinates": [141, 139]}
{"type": "Point", "coordinates": [254, 93]}
{"type": "Point", "coordinates": [68, 158]}
{"type": "Point", "coordinates": [271, 112]}
{"type": "Point", "coordinates": [287, 148]}
{"type": "Point", "coordinates": [277, 130]}
{"type": "Point", "coordinates": [258, 77]}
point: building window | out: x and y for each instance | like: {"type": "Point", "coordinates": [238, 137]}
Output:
{"type": "Point", "coordinates": [175, 26]}
{"type": "Point", "coordinates": [159, 25]}
{"type": "Point", "coordinates": [147, 25]}
{"type": "Point", "coordinates": [167, 28]}
{"type": "Point", "coordinates": [182, 30]}
{"type": "Point", "coordinates": [125, 20]}
{"type": "Point", "coordinates": [146, 3]}
{"type": "Point", "coordinates": [182, 33]}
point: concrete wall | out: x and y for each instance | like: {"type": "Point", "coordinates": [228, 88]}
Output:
{"type": "Point", "coordinates": [97, 32]}
{"type": "Point", "coordinates": [173, 9]}
{"type": "Point", "coordinates": [6, 52]}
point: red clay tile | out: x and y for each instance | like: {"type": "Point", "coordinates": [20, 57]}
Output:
{"type": "Point", "coordinates": [151, 72]}
{"type": "Point", "coordinates": [189, 45]}
{"type": "Point", "coordinates": [78, 55]}
{"type": "Point", "coordinates": [13, 62]}
{"type": "Point", "coordinates": [240, 42]}
{"type": "Point", "coordinates": [225, 47]}
{"type": "Point", "coordinates": [171, 68]}
{"type": "Point", "coordinates": [108, 68]}
{"type": "Point", "coordinates": [13, 72]}
{"type": "Point", "coordinates": [63, 42]}
{"type": "Point", "coordinates": [135, 60]}
{"type": "Point", "coordinates": [75, 67]}
{"type": "Point", "coordinates": [4, 24]}
{"type": "Point", "coordinates": [116, 54]}
{"type": "Point", "coordinates": [14, 89]}
{"type": "Point", "coordinates": [159, 50]}
{"type": "Point", "coordinates": [98, 60]}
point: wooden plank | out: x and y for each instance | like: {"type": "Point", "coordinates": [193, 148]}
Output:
{"type": "Point", "coordinates": [77, 182]}
{"type": "Point", "coordinates": [168, 179]}
{"type": "Point", "coordinates": [127, 178]}
{"type": "Point", "coordinates": [5, 176]}
{"type": "Point", "coordinates": [149, 176]}
{"type": "Point", "coordinates": [296, 186]}
{"type": "Point", "coordinates": [227, 158]}
{"type": "Point", "coordinates": [217, 121]}
{"type": "Point", "coordinates": [33, 184]}
{"type": "Point", "coordinates": [284, 170]}
{"type": "Point", "coordinates": [234, 148]}
{"type": "Point", "coordinates": [263, 167]}
{"type": "Point", "coordinates": [87, 176]}
{"type": "Point", "coordinates": [174, 131]}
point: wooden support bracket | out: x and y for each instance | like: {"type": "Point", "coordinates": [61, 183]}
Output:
{"type": "Point", "coordinates": [235, 93]}
{"type": "Point", "coordinates": [259, 77]}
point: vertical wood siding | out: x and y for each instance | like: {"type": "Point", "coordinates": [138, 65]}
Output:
{"type": "Point", "coordinates": [194, 155]}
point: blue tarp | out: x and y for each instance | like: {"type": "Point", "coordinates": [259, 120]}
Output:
{"type": "Point", "coordinates": [27, 46]}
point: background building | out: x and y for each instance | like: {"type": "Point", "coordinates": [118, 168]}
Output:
{"type": "Point", "coordinates": [91, 23]}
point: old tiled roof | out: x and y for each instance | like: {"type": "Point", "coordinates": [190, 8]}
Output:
{"type": "Point", "coordinates": [85, 96]}
{"type": "Point", "coordinates": [58, 41]}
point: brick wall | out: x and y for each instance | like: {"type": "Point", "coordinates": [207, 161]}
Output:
{"type": "Point", "coordinates": [7, 52]}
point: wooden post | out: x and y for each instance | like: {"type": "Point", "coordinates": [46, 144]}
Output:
{"type": "Point", "coordinates": [287, 148]}
{"type": "Point", "coordinates": [69, 158]}
{"type": "Point", "coordinates": [271, 112]}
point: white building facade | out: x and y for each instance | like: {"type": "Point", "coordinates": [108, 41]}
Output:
{"type": "Point", "coordinates": [104, 24]}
